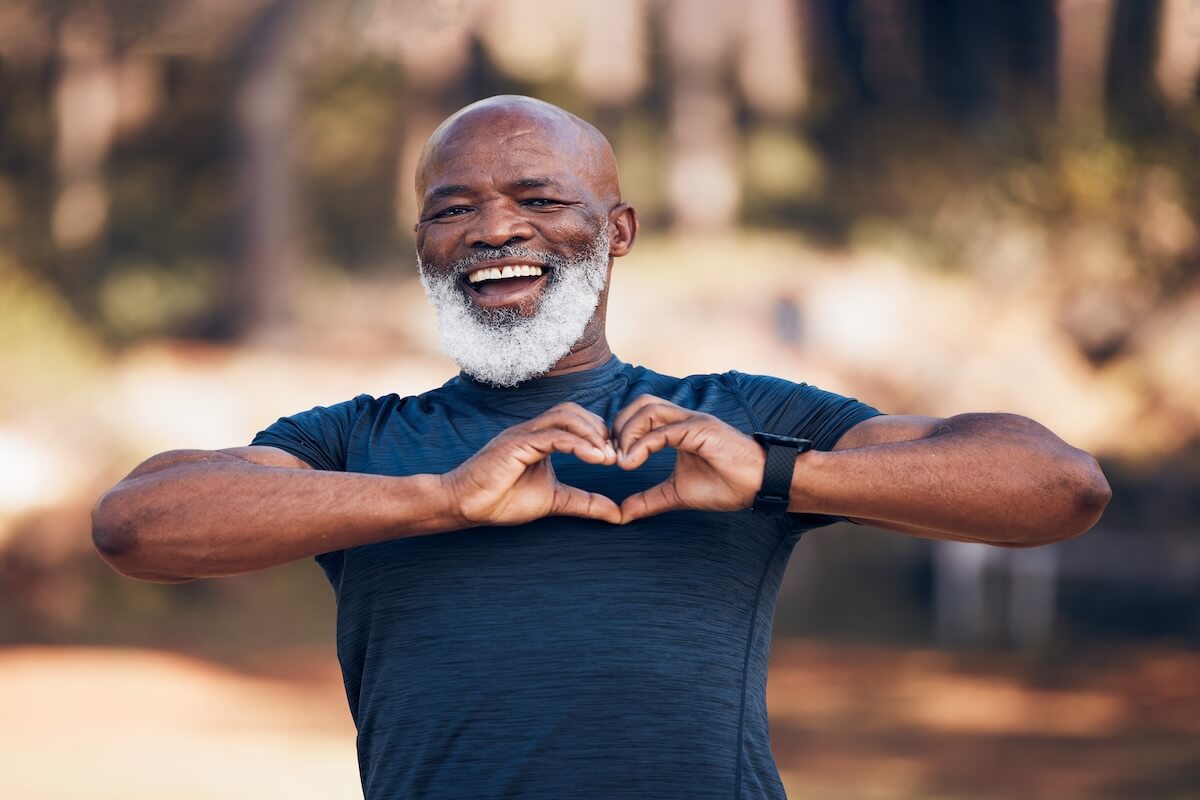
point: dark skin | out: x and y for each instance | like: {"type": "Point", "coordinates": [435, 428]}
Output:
{"type": "Point", "coordinates": [545, 179]}
{"type": "Point", "coordinates": [512, 170]}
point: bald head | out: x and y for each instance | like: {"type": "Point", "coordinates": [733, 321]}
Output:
{"type": "Point", "coordinates": [515, 182]}
{"type": "Point", "coordinates": [532, 133]}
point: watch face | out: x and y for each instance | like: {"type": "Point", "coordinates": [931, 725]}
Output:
{"type": "Point", "coordinates": [784, 441]}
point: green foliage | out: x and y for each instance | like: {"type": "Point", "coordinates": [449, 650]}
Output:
{"type": "Point", "coordinates": [140, 298]}
{"type": "Point", "coordinates": [977, 141]}
{"type": "Point", "coordinates": [349, 143]}
{"type": "Point", "coordinates": [46, 351]}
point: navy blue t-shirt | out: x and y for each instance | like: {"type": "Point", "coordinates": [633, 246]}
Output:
{"type": "Point", "coordinates": [566, 657]}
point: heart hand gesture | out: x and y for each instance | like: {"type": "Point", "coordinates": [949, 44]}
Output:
{"type": "Point", "coordinates": [717, 468]}
{"type": "Point", "coordinates": [511, 481]}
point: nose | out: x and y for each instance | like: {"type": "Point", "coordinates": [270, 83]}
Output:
{"type": "Point", "coordinates": [497, 226]}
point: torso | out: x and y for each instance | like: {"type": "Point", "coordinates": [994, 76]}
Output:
{"type": "Point", "coordinates": [563, 658]}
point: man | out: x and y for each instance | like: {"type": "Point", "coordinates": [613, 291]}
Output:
{"type": "Point", "coordinates": [550, 578]}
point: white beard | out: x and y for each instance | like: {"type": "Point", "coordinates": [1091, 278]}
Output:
{"type": "Point", "coordinates": [501, 347]}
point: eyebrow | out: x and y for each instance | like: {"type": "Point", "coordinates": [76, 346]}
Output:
{"type": "Point", "coordinates": [448, 190]}
{"type": "Point", "coordinates": [534, 183]}
{"type": "Point", "coordinates": [455, 189]}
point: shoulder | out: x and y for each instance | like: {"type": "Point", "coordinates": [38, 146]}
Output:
{"type": "Point", "coordinates": [759, 389]}
{"type": "Point", "coordinates": [751, 383]}
{"type": "Point", "coordinates": [320, 436]}
{"type": "Point", "coordinates": [348, 411]}
{"type": "Point", "coordinates": [762, 393]}
{"type": "Point", "coordinates": [367, 405]}
{"type": "Point", "coordinates": [691, 391]}
{"type": "Point", "coordinates": [799, 409]}
{"type": "Point", "coordinates": [716, 394]}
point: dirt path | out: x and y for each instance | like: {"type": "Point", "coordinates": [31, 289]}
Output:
{"type": "Point", "coordinates": [847, 723]}
{"type": "Point", "coordinates": [132, 724]}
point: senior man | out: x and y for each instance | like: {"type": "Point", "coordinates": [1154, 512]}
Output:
{"type": "Point", "coordinates": [556, 574]}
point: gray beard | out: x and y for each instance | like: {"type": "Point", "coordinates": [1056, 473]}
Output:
{"type": "Point", "coordinates": [499, 346]}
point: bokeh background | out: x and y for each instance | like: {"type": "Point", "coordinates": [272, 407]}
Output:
{"type": "Point", "coordinates": [937, 206]}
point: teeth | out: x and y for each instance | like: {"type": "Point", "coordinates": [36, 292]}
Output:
{"type": "Point", "coordinates": [497, 273]}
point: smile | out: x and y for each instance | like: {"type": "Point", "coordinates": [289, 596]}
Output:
{"type": "Point", "coordinates": [499, 285]}
{"type": "Point", "coordinates": [503, 273]}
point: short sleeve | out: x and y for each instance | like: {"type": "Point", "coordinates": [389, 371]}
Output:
{"type": "Point", "coordinates": [320, 436]}
{"type": "Point", "coordinates": [797, 409]}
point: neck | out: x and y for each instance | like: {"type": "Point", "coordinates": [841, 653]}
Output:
{"type": "Point", "coordinates": [586, 356]}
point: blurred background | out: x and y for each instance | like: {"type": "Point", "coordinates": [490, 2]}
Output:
{"type": "Point", "coordinates": [937, 206]}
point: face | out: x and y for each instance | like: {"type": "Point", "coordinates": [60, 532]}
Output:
{"type": "Point", "coordinates": [513, 247]}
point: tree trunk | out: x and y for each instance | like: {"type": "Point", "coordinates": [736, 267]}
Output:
{"type": "Point", "coordinates": [266, 248]}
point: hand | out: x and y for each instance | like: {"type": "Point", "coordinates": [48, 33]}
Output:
{"type": "Point", "coordinates": [717, 467]}
{"type": "Point", "coordinates": [511, 481]}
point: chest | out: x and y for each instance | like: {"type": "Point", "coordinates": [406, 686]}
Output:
{"type": "Point", "coordinates": [441, 439]}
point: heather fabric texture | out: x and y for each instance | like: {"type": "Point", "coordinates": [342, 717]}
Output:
{"type": "Point", "coordinates": [565, 658]}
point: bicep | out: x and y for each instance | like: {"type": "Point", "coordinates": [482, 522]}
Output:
{"type": "Point", "coordinates": [267, 456]}
{"type": "Point", "coordinates": [886, 429]}
{"type": "Point", "coordinates": [258, 454]}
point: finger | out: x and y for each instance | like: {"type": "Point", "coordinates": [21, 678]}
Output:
{"type": "Point", "coordinates": [655, 500]}
{"type": "Point", "coordinates": [639, 402]}
{"type": "Point", "coordinates": [571, 501]}
{"type": "Point", "coordinates": [537, 445]}
{"type": "Point", "coordinates": [649, 414]}
{"type": "Point", "coordinates": [686, 435]}
{"type": "Point", "coordinates": [576, 419]}
{"type": "Point", "coordinates": [646, 419]}
{"type": "Point", "coordinates": [592, 419]}
{"type": "Point", "coordinates": [569, 422]}
{"type": "Point", "coordinates": [596, 423]}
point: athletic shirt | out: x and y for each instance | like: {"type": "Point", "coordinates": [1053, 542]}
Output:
{"type": "Point", "coordinates": [563, 658]}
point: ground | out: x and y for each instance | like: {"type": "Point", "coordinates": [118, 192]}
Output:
{"type": "Point", "coordinates": [847, 722]}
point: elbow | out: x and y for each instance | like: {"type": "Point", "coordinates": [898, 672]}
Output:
{"type": "Point", "coordinates": [1080, 497]}
{"type": "Point", "coordinates": [119, 540]}
{"type": "Point", "coordinates": [1086, 495]}
{"type": "Point", "coordinates": [1091, 494]}
{"type": "Point", "coordinates": [113, 534]}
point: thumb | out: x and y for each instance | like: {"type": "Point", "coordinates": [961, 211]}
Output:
{"type": "Point", "coordinates": [570, 501]}
{"type": "Point", "coordinates": [656, 500]}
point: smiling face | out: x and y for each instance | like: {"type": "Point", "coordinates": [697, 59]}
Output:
{"type": "Point", "coordinates": [520, 216]}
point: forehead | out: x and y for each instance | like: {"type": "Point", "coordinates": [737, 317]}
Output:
{"type": "Point", "coordinates": [504, 151]}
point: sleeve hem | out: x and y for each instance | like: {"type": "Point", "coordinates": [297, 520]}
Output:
{"type": "Point", "coordinates": [262, 440]}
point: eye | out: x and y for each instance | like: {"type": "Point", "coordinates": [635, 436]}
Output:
{"type": "Point", "coordinates": [453, 211]}
{"type": "Point", "coordinates": [540, 202]}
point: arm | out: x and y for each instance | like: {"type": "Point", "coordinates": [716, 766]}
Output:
{"type": "Point", "coordinates": [191, 513]}
{"type": "Point", "coordinates": [194, 514]}
{"type": "Point", "coordinates": [994, 478]}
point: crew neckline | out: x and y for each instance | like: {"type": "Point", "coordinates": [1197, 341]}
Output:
{"type": "Point", "coordinates": [571, 381]}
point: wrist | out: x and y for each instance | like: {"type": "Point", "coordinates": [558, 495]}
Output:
{"type": "Point", "coordinates": [449, 507]}
{"type": "Point", "coordinates": [804, 482]}
{"type": "Point", "coordinates": [755, 462]}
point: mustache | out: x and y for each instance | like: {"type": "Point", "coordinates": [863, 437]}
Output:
{"type": "Point", "coordinates": [507, 251]}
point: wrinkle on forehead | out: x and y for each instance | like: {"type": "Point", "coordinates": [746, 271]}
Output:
{"type": "Point", "coordinates": [484, 130]}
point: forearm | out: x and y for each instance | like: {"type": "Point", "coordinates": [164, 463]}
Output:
{"type": "Point", "coordinates": [228, 516]}
{"type": "Point", "coordinates": [981, 477]}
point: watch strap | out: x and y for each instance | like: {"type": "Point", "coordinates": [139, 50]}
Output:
{"type": "Point", "coordinates": [774, 496]}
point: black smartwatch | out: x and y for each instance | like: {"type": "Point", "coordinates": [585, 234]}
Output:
{"type": "Point", "coordinates": [776, 493]}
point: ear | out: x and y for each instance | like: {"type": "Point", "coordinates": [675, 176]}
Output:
{"type": "Point", "coordinates": [622, 229]}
